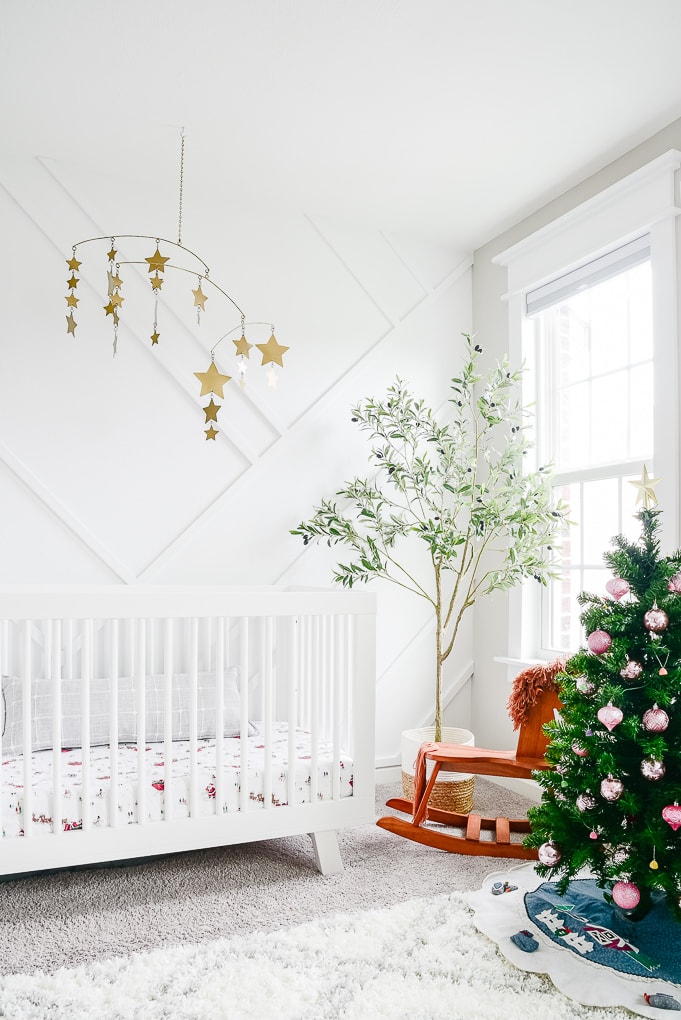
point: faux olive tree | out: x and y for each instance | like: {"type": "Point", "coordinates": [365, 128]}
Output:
{"type": "Point", "coordinates": [454, 482]}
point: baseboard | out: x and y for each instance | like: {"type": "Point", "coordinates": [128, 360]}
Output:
{"type": "Point", "coordinates": [388, 774]}
{"type": "Point", "coordinates": [525, 787]}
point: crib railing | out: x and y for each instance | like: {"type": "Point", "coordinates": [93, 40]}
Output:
{"type": "Point", "coordinates": [157, 665]}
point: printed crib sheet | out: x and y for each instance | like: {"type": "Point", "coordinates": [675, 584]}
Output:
{"type": "Point", "coordinates": [12, 789]}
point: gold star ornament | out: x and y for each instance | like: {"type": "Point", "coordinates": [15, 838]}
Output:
{"type": "Point", "coordinates": [156, 282]}
{"type": "Point", "coordinates": [73, 264]}
{"type": "Point", "coordinates": [272, 352]}
{"type": "Point", "coordinates": [242, 346]}
{"type": "Point", "coordinates": [157, 263]}
{"type": "Point", "coordinates": [71, 324]}
{"type": "Point", "coordinates": [154, 338]}
{"type": "Point", "coordinates": [211, 433]}
{"type": "Point", "coordinates": [645, 494]}
{"type": "Point", "coordinates": [211, 411]}
{"type": "Point", "coordinates": [71, 300]}
{"type": "Point", "coordinates": [199, 298]}
{"type": "Point", "coordinates": [212, 381]}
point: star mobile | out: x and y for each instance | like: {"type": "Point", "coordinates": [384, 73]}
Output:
{"type": "Point", "coordinates": [212, 380]}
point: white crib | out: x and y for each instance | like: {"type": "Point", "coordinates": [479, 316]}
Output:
{"type": "Point", "coordinates": [145, 720]}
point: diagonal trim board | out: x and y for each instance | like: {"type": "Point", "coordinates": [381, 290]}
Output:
{"type": "Point", "coordinates": [64, 515]}
{"type": "Point", "coordinates": [318, 409]}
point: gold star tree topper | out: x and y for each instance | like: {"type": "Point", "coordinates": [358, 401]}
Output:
{"type": "Point", "coordinates": [645, 488]}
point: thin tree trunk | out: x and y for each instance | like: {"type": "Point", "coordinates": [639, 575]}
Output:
{"type": "Point", "coordinates": [438, 671]}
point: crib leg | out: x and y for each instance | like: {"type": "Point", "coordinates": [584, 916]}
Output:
{"type": "Point", "coordinates": [326, 853]}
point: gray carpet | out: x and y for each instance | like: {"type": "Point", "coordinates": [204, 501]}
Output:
{"type": "Point", "coordinates": [63, 919]}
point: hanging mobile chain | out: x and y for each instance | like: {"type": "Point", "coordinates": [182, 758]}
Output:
{"type": "Point", "coordinates": [179, 225]}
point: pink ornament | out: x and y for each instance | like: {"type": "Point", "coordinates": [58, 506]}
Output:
{"type": "Point", "coordinates": [585, 802]}
{"type": "Point", "coordinates": [626, 895]}
{"type": "Point", "coordinates": [617, 587]}
{"type": "Point", "coordinates": [674, 583]}
{"type": "Point", "coordinates": [579, 750]}
{"type": "Point", "coordinates": [610, 716]}
{"type": "Point", "coordinates": [672, 815]}
{"type": "Point", "coordinates": [599, 641]}
{"type": "Point", "coordinates": [593, 834]}
{"type": "Point", "coordinates": [656, 620]}
{"type": "Point", "coordinates": [652, 768]}
{"type": "Point", "coordinates": [612, 789]}
{"type": "Point", "coordinates": [549, 854]}
{"type": "Point", "coordinates": [632, 670]}
{"type": "Point", "coordinates": [655, 720]}
{"type": "Point", "coordinates": [584, 685]}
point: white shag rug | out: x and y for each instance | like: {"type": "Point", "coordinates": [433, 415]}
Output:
{"type": "Point", "coordinates": [422, 960]}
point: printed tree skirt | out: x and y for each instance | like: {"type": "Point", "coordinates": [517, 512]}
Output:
{"type": "Point", "coordinates": [589, 951]}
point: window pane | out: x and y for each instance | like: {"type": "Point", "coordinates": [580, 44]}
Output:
{"type": "Point", "coordinates": [597, 349]}
{"type": "Point", "coordinates": [564, 631]}
{"type": "Point", "coordinates": [595, 410]}
{"type": "Point", "coordinates": [600, 519]}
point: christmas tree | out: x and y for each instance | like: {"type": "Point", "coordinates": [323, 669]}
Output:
{"type": "Point", "coordinates": [613, 803]}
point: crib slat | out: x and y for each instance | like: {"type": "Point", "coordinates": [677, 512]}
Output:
{"type": "Point", "coordinates": [219, 713]}
{"type": "Point", "coordinates": [68, 648]}
{"type": "Point", "coordinates": [112, 673]}
{"type": "Point", "coordinates": [350, 721]}
{"type": "Point", "coordinates": [55, 677]}
{"type": "Point", "coordinates": [207, 643]}
{"type": "Point", "coordinates": [267, 659]}
{"type": "Point", "coordinates": [130, 646]}
{"type": "Point", "coordinates": [193, 726]}
{"type": "Point", "coordinates": [27, 702]}
{"type": "Point", "coordinates": [293, 666]}
{"type": "Point", "coordinates": [243, 672]}
{"type": "Point", "coordinates": [4, 653]}
{"type": "Point", "coordinates": [151, 647]}
{"type": "Point", "coordinates": [86, 677]}
{"type": "Point", "coordinates": [4, 636]}
{"type": "Point", "coordinates": [337, 701]}
{"type": "Point", "coordinates": [316, 682]}
{"type": "Point", "coordinates": [168, 719]}
{"type": "Point", "coordinates": [140, 690]}
{"type": "Point", "coordinates": [307, 672]}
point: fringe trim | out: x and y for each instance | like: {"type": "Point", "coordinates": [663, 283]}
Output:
{"type": "Point", "coordinates": [529, 686]}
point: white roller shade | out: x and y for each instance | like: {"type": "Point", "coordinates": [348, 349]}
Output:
{"type": "Point", "coordinates": [588, 275]}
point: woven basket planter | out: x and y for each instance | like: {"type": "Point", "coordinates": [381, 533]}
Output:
{"type": "Point", "coordinates": [456, 797]}
{"type": "Point", "coordinates": [453, 791]}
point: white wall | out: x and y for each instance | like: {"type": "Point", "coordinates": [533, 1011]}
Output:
{"type": "Point", "coordinates": [494, 625]}
{"type": "Point", "coordinates": [105, 473]}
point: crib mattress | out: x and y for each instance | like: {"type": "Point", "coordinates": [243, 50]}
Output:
{"type": "Point", "coordinates": [157, 804]}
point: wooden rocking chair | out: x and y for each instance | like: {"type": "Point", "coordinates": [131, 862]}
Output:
{"type": "Point", "coordinates": [531, 704]}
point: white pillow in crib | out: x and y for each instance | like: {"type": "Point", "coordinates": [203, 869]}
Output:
{"type": "Point", "coordinates": [41, 721]}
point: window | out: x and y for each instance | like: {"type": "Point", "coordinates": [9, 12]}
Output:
{"type": "Point", "coordinates": [593, 312]}
{"type": "Point", "coordinates": [591, 335]}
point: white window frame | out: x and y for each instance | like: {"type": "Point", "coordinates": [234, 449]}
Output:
{"type": "Point", "coordinates": [642, 203]}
